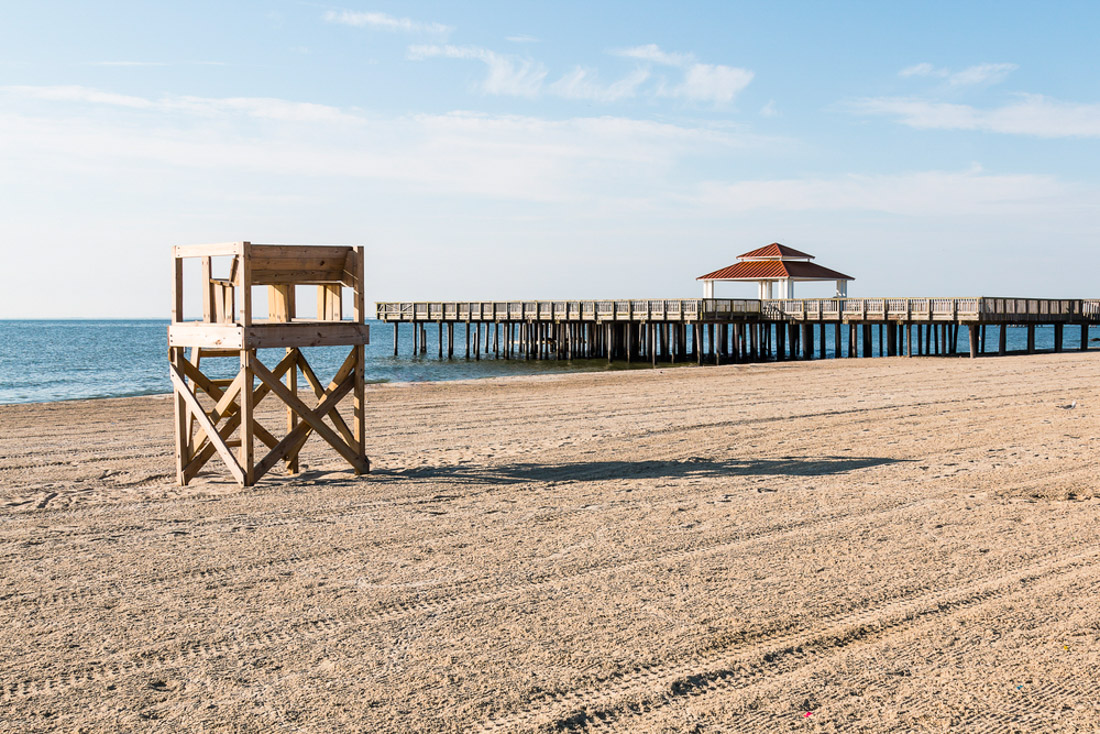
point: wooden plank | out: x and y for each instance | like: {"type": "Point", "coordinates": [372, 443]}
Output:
{"type": "Point", "coordinates": [203, 453]}
{"type": "Point", "coordinates": [182, 425]}
{"type": "Point", "coordinates": [207, 291]}
{"type": "Point", "coordinates": [300, 252]}
{"type": "Point", "coordinates": [348, 367]}
{"type": "Point", "coordinates": [291, 416]}
{"type": "Point", "coordinates": [267, 276]}
{"type": "Point", "coordinates": [293, 441]}
{"type": "Point", "coordinates": [247, 448]}
{"type": "Point", "coordinates": [198, 334]}
{"type": "Point", "coordinates": [280, 303]}
{"type": "Point", "coordinates": [356, 261]}
{"type": "Point", "coordinates": [308, 416]}
{"type": "Point", "coordinates": [204, 422]}
{"type": "Point", "coordinates": [262, 336]}
{"type": "Point", "coordinates": [211, 250]}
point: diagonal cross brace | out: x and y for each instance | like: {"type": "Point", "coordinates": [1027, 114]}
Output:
{"type": "Point", "coordinates": [204, 422]}
{"type": "Point", "coordinates": [312, 419]}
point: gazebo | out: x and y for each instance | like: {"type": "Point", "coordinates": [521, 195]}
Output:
{"type": "Point", "coordinates": [774, 263]}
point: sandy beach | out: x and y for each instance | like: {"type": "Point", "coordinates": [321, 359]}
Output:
{"type": "Point", "coordinates": [848, 545]}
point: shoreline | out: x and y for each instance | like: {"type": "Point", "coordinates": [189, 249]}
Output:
{"type": "Point", "coordinates": [636, 368]}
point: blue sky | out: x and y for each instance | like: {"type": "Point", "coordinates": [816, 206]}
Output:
{"type": "Point", "coordinates": [542, 150]}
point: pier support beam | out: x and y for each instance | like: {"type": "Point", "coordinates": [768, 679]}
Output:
{"type": "Point", "coordinates": [1031, 338]}
{"type": "Point", "coordinates": [1058, 337]}
{"type": "Point", "coordinates": [1084, 337]}
{"type": "Point", "coordinates": [974, 338]}
{"type": "Point", "coordinates": [1002, 340]}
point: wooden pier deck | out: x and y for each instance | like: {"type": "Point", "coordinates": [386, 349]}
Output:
{"type": "Point", "coordinates": [713, 330]}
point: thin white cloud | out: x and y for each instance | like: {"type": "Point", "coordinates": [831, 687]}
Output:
{"type": "Point", "coordinates": [712, 83]}
{"type": "Point", "coordinates": [982, 74]}
{"type": "Point", "coordinates": [257, 107]}
{"type": "Point", "coordinates": [923, 69]}
{"type": "Point", "coordinates": [701, 82]}
{"type": "Point", "coordinates": [583, 84]}
{"type": "Point", "coordinates": [127, 63]}
{"type": "Point", "coordinates": [653, 53]}
{"type": "Point", "coordinates": [71, 93]}
{"type": "Point", "coordinates": [972, 75]}
{"type": "Point", "coordinates": [769, 109]}
{"type": "Point", "coordinates": [384, 22]}
{"type": "Point", "coordinates": [466, 154]}
{"type": "Point", "coordinates": [1032, 115]}
{"type": "Point", "coordinates": [923, 193]}
{"type": "Point", "coordinates": [508, 75]}
{"type": "Point", "coordinates": [523, 39]}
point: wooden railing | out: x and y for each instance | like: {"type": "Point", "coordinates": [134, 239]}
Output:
{"type": "Point", "coordinates": [605, 310]}
{"type": "Point", "coordinates": [985, 309]}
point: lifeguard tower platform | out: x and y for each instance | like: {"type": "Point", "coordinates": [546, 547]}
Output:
{"type": "Point", "coordinates": [210, 411]}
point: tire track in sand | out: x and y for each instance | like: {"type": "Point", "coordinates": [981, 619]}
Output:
{"type": "Point", "coordinates": [602, 702]}
{"type": "Point", "coordinates": [481, 592]}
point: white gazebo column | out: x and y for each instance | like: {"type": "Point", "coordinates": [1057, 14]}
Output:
{"type": "Point", "coordinates": [708, 289]}
{"type": "Point", "coordinates": [842, 289]}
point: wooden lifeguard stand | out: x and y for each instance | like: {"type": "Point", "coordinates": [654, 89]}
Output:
{"type": "Point", "coordinates": [202, 403]}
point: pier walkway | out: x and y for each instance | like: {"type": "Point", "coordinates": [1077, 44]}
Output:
{"type": "Point", "coordinates": [716, 330]}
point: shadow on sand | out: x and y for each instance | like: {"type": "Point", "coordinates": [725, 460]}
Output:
{"type": "Point", "coordinates": [692, 467]}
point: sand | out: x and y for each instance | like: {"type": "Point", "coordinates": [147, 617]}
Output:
{"type": "Point", "coordinates": [853, 545]}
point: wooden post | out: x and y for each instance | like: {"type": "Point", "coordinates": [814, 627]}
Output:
{"type": "Point", "coordinates": [1084, 337]}
{"type": "Point", "coordinates": [975, 331]}
{"type": "Point", "coordinates": [395, 338]}
{"type": "Point", "coordinates": [1031, 338]}
{"type": "Point", "coordinates": [696, 340]}
{"type": "Point", "coordinates": [358, 314]}
{"type": "Point", "coordinates": [1002, 340]}
{"type": "Point", "coordinates": [450, 339]}
{"type": "Point", "coordinates": [908, 340]}
{"type": "Point", "coordinates": [1058, 337]}
{"type": "Point", "coordinates": [245, 452]}
{"type": "Point", "coordinates": [467, 340]}
{"type": "Point", "coordinates": [183, 431]}
{"type": "Point", "coordinates": [440, 324]}
{"type": "Point", "coordinates": [852, 329]}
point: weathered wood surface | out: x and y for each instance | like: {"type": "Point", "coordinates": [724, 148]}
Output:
{"type": "Point", "coordinates": [226, 331]}
{"type": "Point", "coordinates": [976, 309]}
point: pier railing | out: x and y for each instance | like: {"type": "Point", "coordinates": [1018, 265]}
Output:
{"type": "Point", "coordinates": [674, 309]}
{"type": "Point", "coordinates": [981, 309]}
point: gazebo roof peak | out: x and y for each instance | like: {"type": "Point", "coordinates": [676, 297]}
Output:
{"type": "Point", "coordinates": [775, 251]}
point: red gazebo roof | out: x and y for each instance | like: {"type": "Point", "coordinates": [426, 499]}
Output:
{"type": "Point", "coordinates": [775, 262]}
{"type": "Point", "coordinates": [775, 250]}
{"type": "Point", "coordinates": [774, 269]}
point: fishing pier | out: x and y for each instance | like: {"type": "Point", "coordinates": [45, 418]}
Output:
{"type": "Point", "coordinates": [721, 330]}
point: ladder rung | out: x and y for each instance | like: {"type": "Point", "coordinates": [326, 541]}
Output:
{"type": "Point", "coordinates": [207, 352]}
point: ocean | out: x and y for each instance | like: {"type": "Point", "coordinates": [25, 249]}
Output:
{"type": "Point", "coordinates": [45, 361]}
